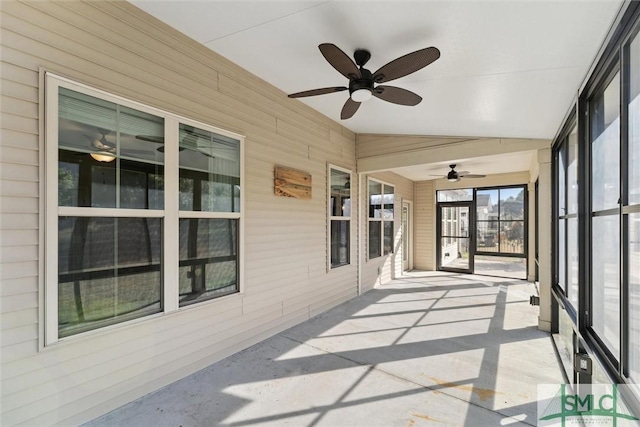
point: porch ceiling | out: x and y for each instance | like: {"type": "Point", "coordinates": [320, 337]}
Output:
{"type": "Point", "coordinates": [508, 69]}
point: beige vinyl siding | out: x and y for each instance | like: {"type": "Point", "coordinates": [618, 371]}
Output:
{"type": "Point", "coordinates": [115, 47]}
{"type": "Point", "coordinates": [425, 219]}
{"type": "Point", "coordinates": [382, 269]}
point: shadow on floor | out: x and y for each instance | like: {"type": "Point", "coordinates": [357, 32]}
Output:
{"type": "Point", "coordinates": [427, 349]}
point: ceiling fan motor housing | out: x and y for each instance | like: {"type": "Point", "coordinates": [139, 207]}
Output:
{"type": "Point", "coordinates": [364, 82]}
{"type": "Point", "coordinates": [361, 56]}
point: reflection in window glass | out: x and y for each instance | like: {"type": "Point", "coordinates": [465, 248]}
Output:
{"type": "Point", "coordinates": [605, 147]}
{"type": "Point", "coordinates": [109, 271]}
{"type": "Point", "coordinates": [375, 239]}
{"type": "Point", "coordinates": [572, 174]}
{"type": "Point", "coordinates": [208, 265]}
{"type": "Point", "coordinates": [572, 261]}
{"type": "Point", "coordinates": [381, 215]}
{"type": "Point", "coordinates": [209, 171]}
{"type": "Point", "coordinates": [634, 123]}
{"type": "Point", "coordinates": [562, 188]}
{"type": "Point", "coordinates": [634, 297]}
{"type": "Point", "coordinates": [388, 202]}
{"type": "Point", "coordinates": [68, 183]}
{"type": "Point", "coordinates": [375, 199]}
{"type": "Point", "coordinates": [562, 252]}
{"type": "Point", "coordinates": [107, 154]}
{"type": "Point", "coordinates": [340, 214]}
{"type": "Point", "coordinates": [388, 238]}
{"type": "Point", "coordinates": [339, 243]}
{"type": "Point", "coordinates": [340, 193]}
{"type": "Point", "coordinates": [605, 279]}
{"type": "Point", "coordinates": [458, 195]}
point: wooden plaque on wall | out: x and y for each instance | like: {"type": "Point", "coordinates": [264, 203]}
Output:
{"type": "Point", "coordinates": [292, 183]}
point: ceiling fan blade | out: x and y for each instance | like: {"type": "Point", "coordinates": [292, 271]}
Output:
{"type": "Point", "coordinates": [397, 95]}
{"type": "Point", "coordinates": [340, 61]}
{"type": "Point", "coordinates": [407, 64]}
{"type": "Point", "coordinates": [315, 92]}
{"type": "Point", "coordinates": [472, 175]}
{"type": "Point", "coordinates": [151, 138]}
{"type": "Point", "coordinates": [349, 109]}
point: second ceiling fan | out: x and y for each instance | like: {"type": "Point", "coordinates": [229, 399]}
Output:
{"type": "Point", "coordinates": [363, 84]}
{"type": "Point", "coordinates": [454, 175]}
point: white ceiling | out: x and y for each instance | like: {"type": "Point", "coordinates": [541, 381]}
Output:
{"type": "Point", "coordinates": [507, 69]}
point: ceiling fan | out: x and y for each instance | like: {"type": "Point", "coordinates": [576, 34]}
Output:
{"type": "Point", "coordinates": [454, 175]}
{"type": "Point", "coordinates": [104, 150]}
{"type": "Point", "coordinates": [188, 142]}
{"type": "Point", "coordinates": [363, 84]}
{"type": "Point", "coordinates": [101, 149]}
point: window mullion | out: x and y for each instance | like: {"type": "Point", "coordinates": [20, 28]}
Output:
{"type": "Point", "coordinates": [171, 229]}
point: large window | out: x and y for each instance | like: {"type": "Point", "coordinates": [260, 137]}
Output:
{"type": "Point", "coordinates": [143, 210]}
{"type": "Point", "coordinates": [566, 173]}
{"type": "Point", "coordinates": [339, 216]}
{"type": "Point", "coordinates": [500, 220]}
{"type": "Point", "coordinates": [631, 211]}
{"type": "Point", "coordinates": [605, 220]}
{"type": "Point", "coordinates": [381, 200]}
{"type": "Point", "coordinates": [597, 199]}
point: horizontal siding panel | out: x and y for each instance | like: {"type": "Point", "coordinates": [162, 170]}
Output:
{"type": "Point", "coordinates": [104, 346]}
{"type": "Point", "coordinates": [15, 91]}
{"type": "Point", "coordinates": [294, 131]}
{"type": "Point", "coordinates": [333, 301]}
{"type": "Point", "coordinates": [24, 205]}
{"type": "Point", "coordinates": [11, 138]}
{"type": "Point", "coordinates": [89, 47]}
{"type": "Point", "coordinates": [17, 352]}
{"type": "Point", "coordinates": [19, 123]}
{"type": "Point", "coordinates": [18, 253]}
{"type": "Point", "coordinates": [100, 35]}
{"type": "Point", "coordinates": [18, 155]}
{"type": "Point", "coordinates": [18, 221]}
{"type": "Point", "coordinates": [18, 302]}
{"type": "Point", "coordinates": [17, 172]}
{"type": "Point", "coordinates": [293, 302]}
{"type": "Point", "coordinates": [75, 385]}
{"type": "Point", "coordinates": [18, 107]}
{"type": "Point", "coordinates": [17, 74]}
{"type": "Point", "coordinates": [191, 361]}
{"type": "Point", "coordinates": [17, 270]}
{"type": "Point", "coordinates": [18, 238]}
{"type": "Point", "coordinates": [16, 319]}
{"type": "Point", "coordinates": [378, 145]}
{"type": "Point", "coordinates": [21, 285]}
{"type": "Point", "coordinates": [20, 334]}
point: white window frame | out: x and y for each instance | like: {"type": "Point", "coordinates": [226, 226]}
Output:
{"type": "Point", "coordinates": [331, 218]}
{"type": "Point", "coordinates": [170, 213]}
{"type": "Point", "coordinates": [381, 220]}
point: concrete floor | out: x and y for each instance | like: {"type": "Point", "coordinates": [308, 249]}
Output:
{"type": "Point", "coordinates": [428, 349]}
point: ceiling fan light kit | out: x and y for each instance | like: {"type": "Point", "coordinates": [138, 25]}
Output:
{"type": "Point", "coordinates": [103, 156]}
{"type": "Point", "coordinates": [362, 82]}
